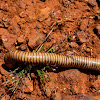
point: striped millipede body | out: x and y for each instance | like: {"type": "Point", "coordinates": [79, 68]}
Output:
{"type": "Point", "coordinates": [52, 59]}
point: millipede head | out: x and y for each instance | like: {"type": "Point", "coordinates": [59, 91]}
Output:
{"type": "Point", "coordinates": [8, 62]}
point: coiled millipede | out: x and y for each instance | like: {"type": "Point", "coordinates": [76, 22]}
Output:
{"type": "Point", "coordinates": [52, 59]}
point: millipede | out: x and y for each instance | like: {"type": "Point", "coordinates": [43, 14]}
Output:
{"type": "Point", "coordinates": [51, 59]}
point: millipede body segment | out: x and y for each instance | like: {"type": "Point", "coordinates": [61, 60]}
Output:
{"type": "Point", "coordinates": [52, 59]}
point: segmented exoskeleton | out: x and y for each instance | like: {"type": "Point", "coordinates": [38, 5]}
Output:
{"type": "Point", "coordinates": [52, 59]}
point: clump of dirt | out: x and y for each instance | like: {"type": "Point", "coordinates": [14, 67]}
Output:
{"type": "Point", "coordinates": [70, 27]}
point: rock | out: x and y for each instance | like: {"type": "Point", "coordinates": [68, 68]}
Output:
{"type": "Point", "coordinates": [84, 24]}
{"type": "Point", "coordinates": [92, 2]}
{"type": "Point", "coordinates": [74, 45]}
{"type": "Point", "coordinates": [82, 36]}
{"type": "Point", "coordinates": [0, 76]}
{"type": "Point", "coordinates": [73, 38]}
{"type": "Point", "coordinates": [6, 24]}
{"type": "Point", "coordinates": [45, 31]}
{"type": "Point", "coordinates": [23, 14]}
{"type": "Point", "coordinates": [30, 19]}
{"type": "Point", "coordinates": [66, 3]}
{"type": "Point", "coordinates": [97, 30]}
{"type": "Point", "coordinates": [76, 79]}
{"type": "Point", "coordinates": [4, 6]}
{"type": "Point", "coordinates": [35, 39]}
{"type": "Point", "coordinates": [57, 14]}
{"type": "Point", "coordinates": [2, 26]}
{"type": "Point", "coordinates": [48, 92]}
{"type": "Point", "coordinates": [3, 71]}
{"type": "Point", "coordinates": [21, 39]}
{"type": "Point", "coordinates": [85, 48]}
{"type": "Point", "coordinates": [23, 47]}
{"type": "Point", "coordinates": [21, 96]}
{"type": "Point", "coordinates": [28, 85]}
{"type": "Point", "coordinates": [42, 14]}
{"type": "Point", "coordinates": [85, 97]}
{"type": "Point", "coordinates": [6, 97]}
{"type": "Point", "coordinates": [14, 29]}
{"type": "Point", "coordinates": [38, 25]}
{"type": "Point", "coordinates": [56, 96]}
{"type": "Point", "coordinates": [62, 96]}
{"type": "Point", "coordinates": [21, 4]}
{"type": "Point", "coordinates": [3, 31]}
{"type": "Point", "coordinates": [69, 82]}
{"type": "Point", "coordinates": [4, 78]}
{"type": "Point", "coordinates": [2, 91]}
{"type": "Point", "coordinates": [24, 96]}
{"type": "Point", "coordinates": [88, 50]}
{"type": "Point", "coordinates": [69, 97]}
{"type": "Point", "coordinates": [96, 85]}
{"type": "Point", "coordinates": [9, 41]}
{"type": "Point", "coordinates": [97, 97]}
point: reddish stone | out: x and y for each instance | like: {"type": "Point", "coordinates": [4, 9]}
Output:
{"type": "Point", "coordinates": [6, 97]}
{"type": "Point", "coordinates": [23, 14]}
{"type": "Point", "coordinates": [74, 45]}
{"type": "Point", "coordinates": [82, 36]}
{"type": "Point", "coordinates": [84, 24]}
{"type": "Point", "coordinates": [23, 47]}
{"type": "Point", "coordinates": [28, 85]}
{"type": "Point", "coordinates": [4, 6]}
{"type": "Point", "coordinates": [42, 14]}
{"type": "Point", "coordinates": [9, 41]}
{"type": "Point", "coordinates": [96, 85]}
{"type": "Point", "coordinates": [35, 39]}
{"type": "Point", "coordinates": [92, 2]}
{"type": "Point", "coordinates": [98, 30]}
{"type": "Point", "coordinates": [3, 31]}
{"type": "Point", "coordinates": [3, 71]}
{"type": "Point", "coordinates": [56, 96]}
{"type": "Point", "coordinates": [21, 39]}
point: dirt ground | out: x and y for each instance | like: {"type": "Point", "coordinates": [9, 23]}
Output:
{"type": "Point", "coordinates": [70, 27]}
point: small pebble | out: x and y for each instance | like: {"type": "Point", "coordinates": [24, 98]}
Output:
{"type": "Point", "coordinates": [92, 2]}
{"type": "Point", "coordinates": [98, 30]}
